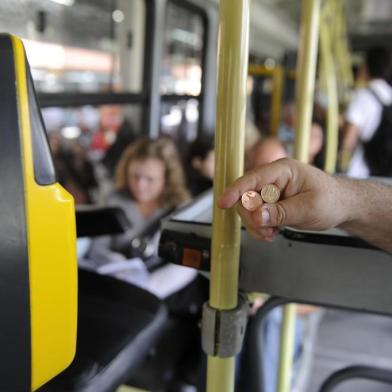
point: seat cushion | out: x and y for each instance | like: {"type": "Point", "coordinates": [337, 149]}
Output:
{"type": "Point", "coordinates": [117, 324]}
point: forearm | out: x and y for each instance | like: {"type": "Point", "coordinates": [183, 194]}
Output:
{"type": "Point", "coordinates": [369, 211]}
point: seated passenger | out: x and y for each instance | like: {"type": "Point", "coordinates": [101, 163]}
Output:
{"type": "Point", "coordinates": [149, 183]}
{"type": "Point", "coordinates": [110, 119]}
{"type": "Point", "coordinates": [74, 170]}
{"type": "Point", "coordinates": [316, 144]}
{"type": "Point", "coordinates": [266, 150]}
{"type": "Point", "coordinates": [200, 162]}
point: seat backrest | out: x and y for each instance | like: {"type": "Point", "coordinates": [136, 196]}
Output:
{"type": "Point", "coordinates": [38, 270]}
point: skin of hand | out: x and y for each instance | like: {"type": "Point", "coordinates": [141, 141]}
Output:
{"type": "Point", "coordinates": [314, 200]}
{"type": "Point", "coordinates": [309, 199]}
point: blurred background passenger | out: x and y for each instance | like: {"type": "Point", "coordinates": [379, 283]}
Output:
{"type": "Point", "coordinates": [266, 150]}
{"type": "Point", "coordinates": [73, 168]}
{"type": "Point", "coordinates": [125, 136]}
{"type": "Point", "coordinates": [363, 118]}
{"type": "Point", "coordinates": [316, 144]}
{"type": "Point", "coordinates": [149, 183]}
{"type": "Point", "coordinates": [111, 118]}
{"type": "Point", "coordinates": [286, 127]}
{"type": "Point", "coordinates": [200, 165]}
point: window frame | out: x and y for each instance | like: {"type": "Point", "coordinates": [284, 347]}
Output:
{"type": "Point", "coordinates": [149, 97]}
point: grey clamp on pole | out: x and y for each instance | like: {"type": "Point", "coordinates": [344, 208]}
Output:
{"type": "Point", "coordinates": [223, 331]}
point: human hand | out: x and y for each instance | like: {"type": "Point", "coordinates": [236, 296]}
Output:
{"type": "Point", "coordinates": [310, 199]}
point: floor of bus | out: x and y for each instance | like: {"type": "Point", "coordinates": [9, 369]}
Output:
{"type": "Point", "coordinates": [345, 339]}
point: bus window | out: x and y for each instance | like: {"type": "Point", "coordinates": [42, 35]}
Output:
{"type": "Point", "coordinates": [82, 46]}
{"type": "Point", "coordinates": [182, 51]}
{"type": "Point", "coordinates": [182, 71]}
{"type": "Point", "coordinates": [86, 143]}
{"type": "Point", "coordinates": [180, 120]}
{"type": "Point", "coordinates": [96, 128]}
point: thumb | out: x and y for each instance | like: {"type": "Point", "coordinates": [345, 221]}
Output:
{"type": "Point", "coordinates": [289, 212]}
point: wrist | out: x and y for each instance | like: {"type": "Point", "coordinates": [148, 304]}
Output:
{"type": "Point", "coordinates": [349, 202]}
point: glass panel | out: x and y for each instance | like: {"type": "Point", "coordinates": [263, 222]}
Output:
{"type": "Point", "coordinates": [182, 52]}
{"type": "Point", "coordinates": [80, 45]}
{"type": "Point", "coordinates": [179, 120]}
{"type": "Point", "coordinates": [44, 171]}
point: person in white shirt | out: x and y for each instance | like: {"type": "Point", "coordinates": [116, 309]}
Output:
{"type": "Point", "coordinates": [364, 113]}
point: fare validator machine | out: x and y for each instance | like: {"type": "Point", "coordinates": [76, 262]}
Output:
{"type": "Point", "coordinates": [329, 268]}
{"type": "Point", "coordinates": [38, 268]}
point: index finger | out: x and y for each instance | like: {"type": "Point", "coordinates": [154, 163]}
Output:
{"type": "Point", "coordinates": [273, 173]}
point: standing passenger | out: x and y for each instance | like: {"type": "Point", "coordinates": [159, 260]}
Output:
{"type": "Point", "coordinates": [364, 115]}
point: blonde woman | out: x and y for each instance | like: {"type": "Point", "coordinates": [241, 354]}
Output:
{"type": "Point", "coordinates": [149, 183]}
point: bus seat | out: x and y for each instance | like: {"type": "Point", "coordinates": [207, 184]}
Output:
{"type": "Point", "coordinates": [38, 269]}
{"type": "Point", "coordinates": [118, 323]}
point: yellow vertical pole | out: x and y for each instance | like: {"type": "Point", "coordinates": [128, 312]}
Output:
{"type": "Point", "coordinates": [343, 60]}
{"type": "Point", "coordinates": [347, 64]}
{"type": "Point", "coordinates": [229, 147]}
{"type": "Point", "coordinates": [306, 72]}
{"type": "Point", "coordinates": [276, 104]}
{"type": "Point", "coordinates": [329, 74]}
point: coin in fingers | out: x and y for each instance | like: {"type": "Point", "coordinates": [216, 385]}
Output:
{"type": "Point", "coordinates": [251, 200]}
{"type": "Point", "coordinates": [270, 193]}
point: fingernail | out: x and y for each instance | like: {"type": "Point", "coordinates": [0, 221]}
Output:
{"type": "Point", "coordinates": [265, 216]}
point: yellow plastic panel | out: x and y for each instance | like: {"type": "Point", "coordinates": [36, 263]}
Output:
{"type": "Point", "coordinates": [52, 255]}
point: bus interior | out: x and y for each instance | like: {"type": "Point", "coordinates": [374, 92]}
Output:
{"type": "Point", "coordinates": [90, 86]}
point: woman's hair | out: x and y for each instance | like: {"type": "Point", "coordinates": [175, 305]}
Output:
{"type": "Point", "coordinates": [165, 151]}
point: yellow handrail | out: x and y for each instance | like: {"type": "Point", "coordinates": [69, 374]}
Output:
{"type": "Point", "coordinates": [306, 71]}
{"type": "Point", "coordinates": [229, 147]}
{"type": "Point", "coordinates": [329, 75]}
{"type": "Point", "coordinates": [342, 53]}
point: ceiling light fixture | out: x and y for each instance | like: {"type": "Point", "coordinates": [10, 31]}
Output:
{"type": "Point", "coordinates": [68, 3]}
{"type": "Point", "coordinates": [118, 16]}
